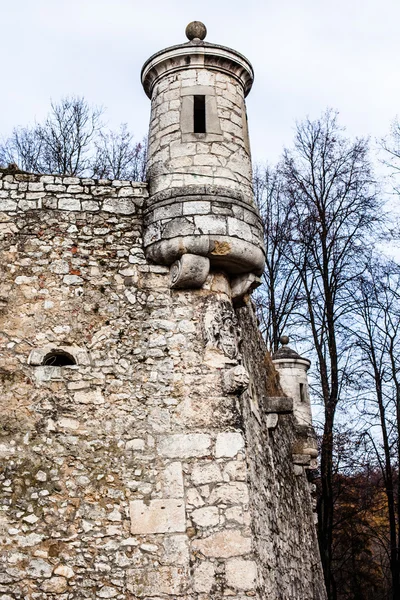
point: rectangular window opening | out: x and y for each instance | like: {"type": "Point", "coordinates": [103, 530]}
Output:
{"type": "Point", "coordinates": [199, 114]}
{"type": "Point", "coordinates": [302, 393]}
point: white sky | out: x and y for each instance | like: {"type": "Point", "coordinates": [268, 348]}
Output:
{"type": "Point", "coordinates": [307, 56]}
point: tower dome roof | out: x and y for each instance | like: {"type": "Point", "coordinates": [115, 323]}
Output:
{"type": "Point", "coordinates": [285, 352]}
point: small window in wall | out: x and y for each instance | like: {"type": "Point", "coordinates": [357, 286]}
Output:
{"type": "Point", "coordinates": [302, 393]}
{"type": "Point", "coordinates": [58, 358]}
{"type": "Point", "coordinates": [199, 114]}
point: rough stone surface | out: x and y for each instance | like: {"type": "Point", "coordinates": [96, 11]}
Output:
{"type": "Point", "coordinates": [153, 465]}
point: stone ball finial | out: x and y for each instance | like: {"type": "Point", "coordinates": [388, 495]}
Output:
{"type": "Point", "coordinates": [196, 30]}
{"type": "Point", "coordinates": [284, 340]}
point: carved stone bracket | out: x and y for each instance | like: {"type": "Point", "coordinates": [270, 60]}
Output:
{"type": "Point", "coordinates": [244, 284]}
{"type": "Point", "coordinates": [236, 380]}
{"type": "Point", "coordinates": [190, 271]}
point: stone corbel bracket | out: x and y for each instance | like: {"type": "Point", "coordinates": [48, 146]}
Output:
{"type": "Point", "coordinates": [190, 271]}
{"type": "Point", "coordinates": [243, 285]}
{"type": "Point", "coordinates": [275, 406]}
{"type": "Point", "coordinates": [235, 380]}
{"type": "Point", "coordinates": [305, 448]}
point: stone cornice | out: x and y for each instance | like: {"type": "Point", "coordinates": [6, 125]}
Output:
{"type": "Point", "coordinates": [199, 55]}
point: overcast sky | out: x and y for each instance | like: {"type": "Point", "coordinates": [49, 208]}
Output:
{"type": "Point", "coordinates": [307, 56]}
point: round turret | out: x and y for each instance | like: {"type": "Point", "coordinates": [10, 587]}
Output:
{"type": "Point", "coordinates": [199, 166]}
{"type": "Point", "coordinates": [293, 378]}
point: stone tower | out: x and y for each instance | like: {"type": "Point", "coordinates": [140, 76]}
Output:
{"type": "Point", "coordinates": [201, 204]}
{"type": "Point", "coordinates": [147, 450]}
{"type": "Point", "coordinates": [292, 369]}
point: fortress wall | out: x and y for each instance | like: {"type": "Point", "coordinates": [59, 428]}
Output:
{"type": "Point", "coordinates": [289, 562]}
{"type": "Point", "coordinates": [140, 472]}
{"type": "Point", "coordinates": [123, 476]}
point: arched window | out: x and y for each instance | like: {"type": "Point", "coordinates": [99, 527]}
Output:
{"type": "Point", "coordinates": [58, 358]}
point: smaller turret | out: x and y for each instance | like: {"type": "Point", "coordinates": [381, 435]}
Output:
{"type": "Point", "coordinates": [292, 369]}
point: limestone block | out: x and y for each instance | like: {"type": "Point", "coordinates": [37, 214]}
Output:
{"type": "Point", "coordinates": [181, 445]}
{"type": "Point", "coordinates": [122, 206]}
{"type": "Point", "coordinates": [176, 551]}
{"type": "Point", "coordinates": [8, 205]}
{"type": "Point", "coordinates": [204, 577]}
{"type": "Point", "coordinates": [207, 160]}
{"type": "Point", "coordinates": [272, 420]}
{"type": "Point", "coordinates": [55, 585]}
{"type": "Point", "coordinates": [235, 492]}
{"type": "Point", "coordinates": [150, 583]}
{"type": "Point", "coordinates": [223, 544]}
{"type": "Point", "coordinates": [38, 567]}
{"type": "Point", "coordinates": [181, 149]}
{"type": "Point", "coordinates": [211, 224]}
{"type": "Point", "coordinates": [93, 397]}
{"type": "Point", "coordinates": [207, 516]}
{"type": "Point", "coordinates": [172, 479]}
{"type": "Point", "coordinates": [69, 204]}
{"type": "Point", "coordinates": [107, 592]}
{"type": "Point", "coordinates": [170, 117]}
{"type": "Point", "coordinates": [206, 473]}
{"type": "Point", "coordinates": [235, 470]}
{"type": "Point", "coordinates": [229, 444]}
{"type": "Point", "coordinates": [64, 571]}
{"type": "Point", "coordinates": [193, 498]}
{"type": "Point", "coordinates": [196, 208]}
{"type": "Point", "coordinates": [158, 516]}
{"type": "Point", "coordinates": [241, 574]}
{"type": "Point", "coordinates": [239, 228]}
{"type": "Point", "coordinates": [176, 164]}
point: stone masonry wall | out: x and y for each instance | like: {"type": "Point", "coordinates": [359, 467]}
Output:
{"type": "Point", "coordinates": [289, 563]}
{"type": "Point", "coordinates": [131, 474]}
{"type": "Point", "coordinates": [176, 159]}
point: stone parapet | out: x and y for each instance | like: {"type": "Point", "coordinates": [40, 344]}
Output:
{"type": "Point", "coordinates": [27, 191]}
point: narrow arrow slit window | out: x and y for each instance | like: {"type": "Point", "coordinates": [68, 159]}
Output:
{"type": "Point", "coordinates": [199, 114]}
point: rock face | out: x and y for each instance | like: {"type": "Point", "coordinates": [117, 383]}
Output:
{"type": "Point", "coordinates": [140, 455]}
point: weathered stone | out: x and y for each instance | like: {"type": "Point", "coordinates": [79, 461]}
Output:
{"type": "Point", "coordinates": [38, 567]}
{"type": "Point", "coordinates": [229, 444]}
{"type": "Point", "coordinates": [185, 445]}
{"type": "Point", "coordinates": [165, 580]}
{"type": "Point", "coordinates": [55, 585]}
{"type": "Point", "coordinates": [241, 574]}
{"type": "Point", "coordinates": [173, 480]}
{"type": "Point", "coordinates": [223, 544]}
{"type": "Point", "coordinates": [206, 517]}
{"type": "Point", "coordinates": [158, 516]}
{"type": "Point", "coordinates": [147, 422]}
{"type": "Point", "coordinates": [64, 571]}
{"type": "Point", "coordinates": [204, 577]}
{"type": "Point", "coordinates": [206, 473]}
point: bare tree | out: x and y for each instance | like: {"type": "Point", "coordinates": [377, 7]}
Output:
{"type": "Point", "coordinates": [391, 147]}
{"type": "Point", "coordinates": [329, 184]}
{"type": "Point", "coordinates": [118, 156]}
{"type": "Point", "coordinates": [67, 136]}
{"type": "Point", "coordinates": [278, 298]}
{"type": "Point", "coordinates": [23, 148]}
{"type": "Point", "coordinates": [72, 141]}
{"type": "Point", "coordinates": [377, 335]}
